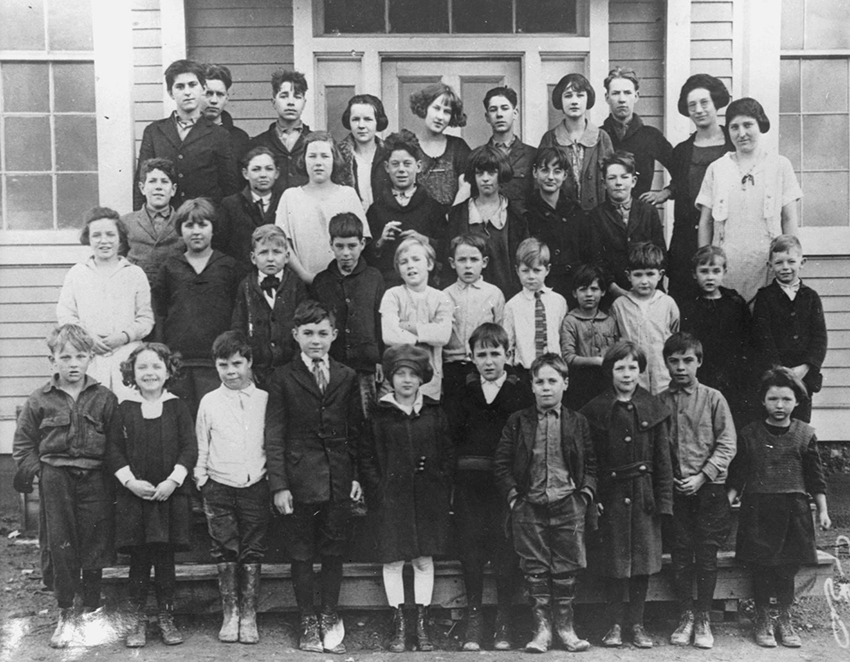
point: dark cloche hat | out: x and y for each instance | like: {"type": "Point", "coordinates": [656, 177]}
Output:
{"type": "Point", "coordinates": [408, 356]}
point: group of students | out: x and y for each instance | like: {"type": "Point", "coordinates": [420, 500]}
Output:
{"type": "Point", "coordinates": [293, 352]}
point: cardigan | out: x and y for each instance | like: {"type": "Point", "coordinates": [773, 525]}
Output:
{"type": "Point", "coordinates": [647, 144]}
{"type": "Point", "coordinates": [238, 217]}
{"type": "Point", "coordinates": [289, 175]}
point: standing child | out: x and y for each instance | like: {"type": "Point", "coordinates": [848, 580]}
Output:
{"type": "Point", "coordinates": [152, 449]}
{"type": "Point", "coordinates": [475, 302]}
{"type": "Point", "coordinates": [546, 471]}
{"type": "Point", "coordinates": [231, 474]}
{"type": "Point", "coordinates": [777, 467]}
{"type": "Point", "coordinates": [313, 429]}
{"type": "Point", "coordinates": [488, 214]}
{"type": "Point", "coordinates": [61, 438]}
{"type": "Point", "coordinates": [702, 444]}
{"type": "Point", "coordinates": [587, 333]}
{"type": "Point", "coordinates": [415, 313]}
{"type": "Point", "coordinates": [362, 149]}
{"type": "Point", "coordinates": [266, 301]}
{"type": "Point", "coordinates": [645, 315]}
{"type": "Point", "coordinates": [407, 467]}
{"type": "Point", "coordinates": [630, 440]}
{"type": "Point", "coordinates": [108, 296]}
{"type": "Point", "coordinates": [352, 291]}
{"type": "Point", "coordinates": [533, 317]}
{"type": "Point", "coordinates": [478, 413]}
{"type": "Point", "coordinates": [790, 329]}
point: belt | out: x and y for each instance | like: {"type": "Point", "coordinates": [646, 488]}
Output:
{"type": "Point", "coordinates": [474, 463]}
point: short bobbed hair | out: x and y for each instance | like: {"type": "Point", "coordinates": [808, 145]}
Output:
{"type": "Point", "coordinates": [782, 377]}
{"type": "Point", "coordinates": [579, 83]}
{"type": "Point", "coordinates": [748, 107]}
{"type": "Point", "coordinates": [338, 161]}
{"type": "Point", "coordinates": [70, 334]}
{"type": "Point", "coordinates": [487, 159]}
{"type": "Point", "coordinates": [622, 350]}
{"type": "Point", "coordinates": [100, 214]}
{"type": "Point", "coordinates": [681, 342]}
{"type": "Point", "coordinates": [366, 100]}
{"type": "Point", "coordinates": [170, 359]}
{"type": "Point", "coordinates": [715, 87]}
{"type": "Point", "coordinates": [195, 210]}
{"type": "Point", "coordinates": [489, 334]}
{"type": "Point", "coordinates": [419, 102]}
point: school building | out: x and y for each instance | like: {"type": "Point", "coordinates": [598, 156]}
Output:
{"type": "Point", "coordinates": [80, 79]}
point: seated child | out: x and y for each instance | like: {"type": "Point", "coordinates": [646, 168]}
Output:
{"type": "Point", "coordinates": [415, 313]}
{"type": "Point", "coordinates": [474, 301]}
{"type": "Point", "coordinates": [231, 474]}
{"type": "Point", "coordinates": [533, 317]}
{"type": "Point", "coordinates": [545, 468]}
{"type": "Point", "coordinates": [586, 334]}
{"type": "Point", "coordinates": [352, 291]}
{"type": "Point", "coordinates": [407, 465]}
{"type": "Point", "coordinates": [478, 413]}
{"type": "Point", "coordinates": [790, 329]}
{"type": "Point", "coordinates": [556, 220]}
{"type": "Point", "coordinates": [621, 221]}
{"type": "Point", "coordinates": [645, 315]}
{"type": "Point", "coordinates": [402, 208]}
{"type": "Point", "coordinates": [313, 428]}
{"type": "Point", "coordinates": [629, 428]}
{"type": "Point", "coordinates": [61, 437]}
{"type": "Point", "coordinates": [776, 469]}
{"type": "Point", "coordinates": [266, 301]}
{"type": "Point", "coordinates": [488, 214]}
{"type": "Point", "coordinates": [702, 444]}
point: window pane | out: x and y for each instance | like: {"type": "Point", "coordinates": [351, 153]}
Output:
{"type": "Point", "coordinates": [546, 16]}
{"type": "Point", "coordinates": [354, 17]}
{"type": "Point", "coordinates": [30, 202]}
{"type": "Point", "coordinates": [27, 143]}
{"type": "Point", "coordinates": [789, 86]}
{"type": "Point", "coordinates": [826, 24]}
{"type": "Point", "coordinates": [418, 16]}
{"type": "Point", "coordinates": [825, 142]}
{"type": "Point", "coordinates": [789, 139]}
{"type": "Point", "coordinates": [825, 199]}
{"type": "Point", "coordinates": [336, 100]}
{"type": "Point", "coordinates": [482, 16]}
{"type": "Point", "coordinates": [69, 26]}
{"type": "Point", "coordinates": [824, 85]}
{"type": "Point", "coordinates": [25, 88]}
{"type": "Point", "coordinates": [473, 89]}
{"type": "Point", "coordinates": [76, 143]}
{"type": "Point", "coordinates": [75, 194]}
{"type": "Point", "coordinates": [73, 87]}
{"type": "Point", "coordinates": [22, 26]}
{"type": "Point", "coordinates": [793, 20]}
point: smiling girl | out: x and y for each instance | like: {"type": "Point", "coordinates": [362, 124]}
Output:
{"type": "Point", "coordinates": [107, 296]}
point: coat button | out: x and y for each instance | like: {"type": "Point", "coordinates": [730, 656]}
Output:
{"type": "Point", "coordinates": [613, 474]}
{"type": "Point", "coordinates": [643, 424]}
{"type": "Point", "coordinates": [629, 407]}
{"type": "Point", "coordinates": [627, 501]}
{"type": "Point", "coordinates": [643, 467]}
{"type": "Point", "coordinates": [179, 156]}
{"type": "Point", "coordinates": [627, 439]}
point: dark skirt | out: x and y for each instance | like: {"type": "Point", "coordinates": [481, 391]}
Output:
{"type": "Point", "coordinates": [139, 522]}
{"type": "Point", "coordinates": [775, 529]}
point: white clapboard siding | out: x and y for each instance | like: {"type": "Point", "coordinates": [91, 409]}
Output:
{"type": "Point", "coordinates": [148, 68]}
{"type": "Point", "coordinates": [711, 38]}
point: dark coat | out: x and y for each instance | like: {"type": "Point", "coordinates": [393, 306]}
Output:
{"type": "Point", "coordinates": [239, 140]}
{"type": "Point", "coordinates": [412, 507]}
{"type": "Point", "coordinates": [149, 248]}
{"type": "Point", "coordinates": [269, 330]}
{"type": "Point", "coordinates": [311, 438]}
{"type": "Point", "coordinates": [238, 217]}
{"type": "Point", "coordinates": [355, 300]}
{"type": "Point", "coordinates": [647, 144]}
{"type": "Point", "coordinates": [635, 482]}
{"type": "Point", "coordinates": [287, 162]}
{"type": "Point", "coordinates": [593, 183]}
{"type": "Point", "coordinates": [521, 158]}
{"type": "Point", "coordinates": [380, 178]}
{"type": "Point", "coordinates": [204, 160]}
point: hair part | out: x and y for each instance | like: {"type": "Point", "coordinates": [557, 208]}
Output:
{"type": "Point", "coordinates": [472, 240]}
{"type": "Point", "coordinates": [502, 91]}
{"type": "Point", "coordinates": [709, 255]}
{"type": "Point", "coordinates": [172, 362]}
{"type": "Point", "coordinates": [782, 377]}
{"type": "Point", "coordinates": [487, 158]}
{"type": "Point", "coordinates": [179, 67]}
{"type": "Point", "coordinates": [345, 226]}
{"type": "Point", "coordinates": [70, 334]}
{"type": "Point", "coordinates": [620, 350]}
{"type": "Point", "coordinates": [338, 160]}
{"type": "Point", "coordinates": [195, 211]}
{"type": "Point", "coordinates": [532, 252]}
{"type": "Point", "coordinates": [366, 100]}
{"type": "Point", "coordinates": [489, 334]}
{"type": "Point", "coordinates": [312, 312]}
{"type": "Point", "coordinates": [586, 274]}
{"type": "Point", "coordinates": [748, 107]}
{"type": "Point", "coordinates": [645, 255]}
{"type": "Point", "coordinates": [714, 86]}
{"type": "Point", "coordinates": [680, 343]}
{"type": "Point", "coordinates": [785, 243]}
{"type": "Point", "coordinates": [403, 141]}
{"type": "Point", "coordinates": [229, 344]}
{"type": "Point", "coordinates": [621, 158]}
{"type": "Point", "coordinates": [166, 166]}
{"type": "Point", "coordinates": [219, 72]}
{"type": "Point", "coordinates": [294, 78]}
{"type": "Point", "coordinates": [622, 72]}
{"type": "Point", "coordinates": [554, 361]}
{"type": "Point", "coordinates": [553, 155]}
{"type": "Point", "coordinates": [419, 102]}
{"type": "Point", "coordinates": [579, 84]}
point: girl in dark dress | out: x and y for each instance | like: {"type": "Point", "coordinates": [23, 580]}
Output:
{"type": "Point", "coordinates": [776, 467]}
{"type": "Point", "coordinates": [152, 449]}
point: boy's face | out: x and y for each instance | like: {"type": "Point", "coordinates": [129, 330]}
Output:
{"type": "Point", "coordinates": [548, 387]}
{"type": "Point", "coordinates": [779, 402]}
{"type": "Point", "coordinates": [270, 257]}
{"type": "Point", "coordinates": [619, 183]}
{"type": "Point", "coordinates": [197, 235]}
{"type": "Point", "coordinates": [625, 374]}
{"type": "Point", "coordinates": [621, 96]}
{"type": "Point", "coordinates": [645, 281]}
{"type": "Point", "coordinates": [288, 103]}
{"type": "Point", "coordinates": [786, 266]}
{"type": "Point", "coordinates": [550, 177]}
{"type": "Point", "coordinates": [186, 92]}
{"type": "Point", "coordinates": [234, 372]}
{"type": "Point", "coordinates": [402, 168]}
{"type": "Point", "coordinates": [406, 382]}
{"type": "Point", "coordinates": [574, 103]}
{"type": "Point", "coordinates": [532, 277]}
{"type": "Point", "coordinates": [490, 361]}
{"type": "Point", "coordinates": [347, 252]}
{"type": "Point", "coordinates": [500, 114]}
{"type": "Point", "coordinates": [315, 339]}
{"type": "Point", "coordinates": [71, 364]}
{"type": "Point", "coordinates": [215, 99]}
{"type": "Point", "coordinates": [589, 296]}
{"type": "Point", "coordinates": [261, 174]}
{"type": "Point", "coordinates": [709, 277]}
{"type": "Point", "coordinates": [682, 367]}
{"type": "Point", "coordinates": [158, 189]}
{"type": "Point", "coordinates": [487, 182]}
{"type": "Point", "coordinates": [468, 263]}
{"type": "Point", "coordinates": [414, 266]}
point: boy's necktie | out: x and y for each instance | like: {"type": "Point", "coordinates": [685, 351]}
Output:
{"type": "Point", "coordinates": [539, 325]}
{"type": "Point", "coordinates": [319, 374]}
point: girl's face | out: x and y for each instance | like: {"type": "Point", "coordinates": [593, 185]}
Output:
{"type": "Point", "coordinates": [487, 182]}
{"type": "Point", "coordinates": [406, 383]}
{"type": "Point", "coordinates": [574, 103]}
{"type": "Point", "coordinates": [150, 373]}
{"type": "Point", "coordinates": [319, 161]}
{"type": "Point", "coordinates": [625, 373]}
{"type": "Point", "coordinates": [745, 134]}
{"type": "Point", "coordinates": [779, 402]}
{"type": "Point", "coordinates": [261, 173]}
{"type": "Point", "coordinates": [197, 235]}
{"type": "Point", "coordinates": [104, 239]}
{"type": "Point", "coordinates": [363, 123]}
{"type": "Point", "coordinates": [438, 115]}
{"type": "Point", "coordinates": [701, 108]}
{"type": "Point", "coordinates": [414, 266]}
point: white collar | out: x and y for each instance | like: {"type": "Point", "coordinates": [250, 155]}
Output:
{"type": "Point", "coordinates": [248, 391]}
{"type": "Point", "coordinates": [530, 295]}
{"type": "Point", "coordinates": [496, 383]}
{"type": "Point", "coordinates": [476, 284]}
{"type": "Point", "coordinates": [151, 408]}
{"type": "Point", "coordinates": [325, 361]}
{"type": "Point", "coordinates": [264, 198]}
{"type": "Point", "coordinates": [498, 222]}
{"type": "Point", "coordinates": [415, 408]}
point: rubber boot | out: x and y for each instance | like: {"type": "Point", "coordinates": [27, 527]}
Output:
{"type": "Point", "coordinates": [563, 597]}
{"type": "Point", "coordinates": [502, 629]}
{"type": "Point", "coordinates": [398, 640]}
{"type": "Point", "coordinates": [540, 594]}
{"type": "Point", "coordinates": [703, 638]}
{"type": "Point", "coordinates": [249, 589]}
{"type": "Point", "coordinates": [310, 640]}
{"type": "Point", "coordinates": [474, 628]}
{"type": "Point", "coordinates": [682, 635]}
{"type": "Point", "coordinates": [763, 629]}
{"type": "Point", "coordinates": [787, 634]}
{"type": "Point", "coordinates": [423, 617]}
{"type": "Point", "coordinates": [64, 631]}
{"type": "Point", "coordinates": [170, 634]}
{"type": "Point", "coordinates": [229, 631]}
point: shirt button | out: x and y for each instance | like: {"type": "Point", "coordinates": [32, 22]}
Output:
{"type": "Point", "coordinates": [627, 501]}
{"type": "Point", "coordinates": [796, 337]}
{"type": "Point", "coordinates": [180, 175]}
{"type": "Point", "coordinates": [179, 156]}
{"type": "Point", "coordinates": [643, 467]}
{"type": "Point", "coordinates": [629, 407]}
{"type": "Point", "coordinates": [613, 474]}
{"type": "Point", "coordinates": [627, 438]}
{"type": "Point", "coordinates": [348, 330]}
{"type": "Point", "coordinates": [643, 424]}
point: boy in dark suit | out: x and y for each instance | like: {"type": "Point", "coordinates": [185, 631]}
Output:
{"type": "Point", "coordinates": [200, 150]}
{"type": "Point", "coordinates": [219, 82]}
{"type": "Point", "coordinates": [313, 426]}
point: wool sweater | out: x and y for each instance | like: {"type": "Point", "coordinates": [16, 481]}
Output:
{"type": "Point", "coordinates": [648, 145]}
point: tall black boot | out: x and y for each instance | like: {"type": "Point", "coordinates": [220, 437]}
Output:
{"type": "Point", "coordinates": [398, 641]}
{"type": "Point", "coordinates": [502, 629]}
{"type": "Point", "coordinates": [423, 638]}
{"type": "Point", "coordinates": [227, 587]}
{"type": "Point", "coordinates": [249, 588]}
{"type": "Point", "coordinates": [540, 594]}
{"type": "Point", "coordinates": [563, 594]}
{"type": "Point", "coordinates": [138, 589]}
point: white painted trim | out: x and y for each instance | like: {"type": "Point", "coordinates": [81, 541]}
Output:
{"type": "Point", "coordinates": [598, 56]}
{"type": "Point", "coordinates": [302, 52]}
{"type": "Point", "coordinates": [173, 33]}
{"type": "Point", "coordinates": [825, 240]}
{"type": "Point", "coordinates": [760, 60]}
{"type": "Point", "coordinates": [48, 56]}
{"type": "Point", "coordinates": [677, 67]}
{"type": "Point", "coordinates": [43, 255]}
{"type": "Point", "coordinates": [740, 32]}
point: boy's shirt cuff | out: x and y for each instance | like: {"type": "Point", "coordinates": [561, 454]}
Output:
{"type": "Point", "coordinates": [125, 475]}
{"type": "Point", "coordinates": [178, 475]}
